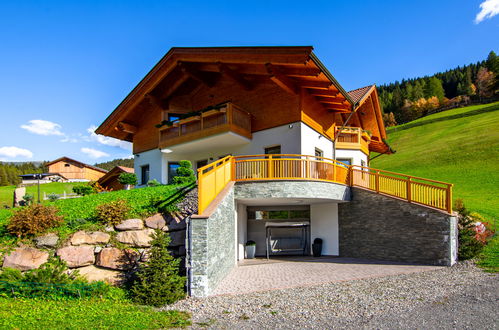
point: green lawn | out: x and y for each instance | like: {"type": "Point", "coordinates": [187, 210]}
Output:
{"type": "Point", "coordinates": [85, 314]}
{"type": "Point", "coordinates": [7, 192]}
{"type": "Point", "coordinates": [460, 146]}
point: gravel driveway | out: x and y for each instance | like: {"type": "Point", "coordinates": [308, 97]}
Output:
{"type": "Point", "coordinates": [456, 297]}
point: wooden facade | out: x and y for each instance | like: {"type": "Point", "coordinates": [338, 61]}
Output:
{"type": "Point", "coordinates": [74, 170]}
{"type": "Point", "coordinates": [274, 85]}
{"type": "Point", "coordinates": [110, 179]}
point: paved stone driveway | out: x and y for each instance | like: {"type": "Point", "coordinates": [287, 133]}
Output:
{"type": "Point", "coordinates": [289, 272]}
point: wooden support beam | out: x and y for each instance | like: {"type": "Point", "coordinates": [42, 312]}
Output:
{"type": "Point", "coordinates": [156, 101]}
{"type": "Point", "coordinates": [314, 83]}
{"type": "Point", "coordinates": [285, 83]}
{"type": "Point", "coordinates": [195, 74]}
{"type": "Point", "coordinates": [236, 76]}
{"type": "Point", "coordinates": [337, 107]}
{"type": "Point", "coordinates": [128, 128]}
{"type": "Point", "coordinates": [330, 99]}
{"type": "Point", "coordinates": [172, 88]}
{"type": "Point", "coordinates": [259, 69]}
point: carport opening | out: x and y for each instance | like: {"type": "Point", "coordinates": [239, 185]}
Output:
{"type": "Point", "coordinates": [275, 229]}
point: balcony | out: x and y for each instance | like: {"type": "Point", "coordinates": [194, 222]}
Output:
{"type": "Point", "coordinates": [212, 126]}
{"type": "Point", "coordinates": [353, 138]}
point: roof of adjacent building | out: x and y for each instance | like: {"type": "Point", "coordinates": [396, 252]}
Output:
{"type": "Point", "coordinates": [358, 94]}
{"type": "Point", "coordinates": [67, 159]}
{"type": "Point", "coordinates": [115, 172]}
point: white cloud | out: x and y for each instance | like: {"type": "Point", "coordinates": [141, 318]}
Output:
{"type": "Point", "coordinates": [7, 153]}
{"type": "Point", "coordinates": [488, 9]}
{"type": "Point", "coordinates": [94, 153]}
{"type": "Point", "coordinates": [108, 141]}
{"type": "Point", "coordinates": [43, 127]}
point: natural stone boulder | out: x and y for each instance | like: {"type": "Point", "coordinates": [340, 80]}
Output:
{"type": "Point", "coordinates": [115, 258]}
{"type": "Point", "coordinates": [92, 273]}
{"type": "Point", "coordinates": [25, 258]}
{"type": "Point", "coordinates": [130, 224]}
{"type": "Point", "coordinates": [77, 256]}
{"type": "Point", "coordinates": [47, 241]}
{"type": "Point", "coordinates": [136, 238]}
{"type": "Point", "coordinates": [83, 238]}
{"type": "Point", "coordinates": [177, 238]}
{"type": "Point", "coordinates": [157, 221]}
{"type": "Point", "coordinates": [174, 223]}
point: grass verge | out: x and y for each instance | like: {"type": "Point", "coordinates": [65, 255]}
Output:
{"type": "Point", "coordinates": [85, 314]}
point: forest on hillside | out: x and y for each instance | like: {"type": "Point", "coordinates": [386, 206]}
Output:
{"type": "Point", "coordinates": [126, 162]}
{"type": "Point", "coordinates": [417, 97]}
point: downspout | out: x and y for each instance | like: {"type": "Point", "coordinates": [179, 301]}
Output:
{"type": "Point", "coordinates": [188, 249]}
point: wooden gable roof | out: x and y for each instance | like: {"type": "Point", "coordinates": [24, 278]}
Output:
{"type": "Point", "coordinates": [291, 68]}
{"type": "Point", "coordinates": [78, 163]}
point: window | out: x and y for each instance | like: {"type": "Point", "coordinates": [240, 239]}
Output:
{"type": "Point", "coordinates": [363, 163]}
{"type": "Point", "coordinates": [201, 163]}
{"type": "Point", "coordinates": [274, 150]}
{"type": "Point", "coordinates": [67, 165]}
{"type": "Point", "coordinates": [173, 117]}
{"type": "Point", "coordinates": [319, 152]}
{"type": "Point", "coordinates": [144, 174]}
{"type": "Point", "coordinates": [172, 171]}
{"type": "Point", "coordinates": [347, 161]}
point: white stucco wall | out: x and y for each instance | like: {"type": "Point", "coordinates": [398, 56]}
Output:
{"type": "Point", "coordinates": [355, 155]}
{"type": "Point", "coordinates": [157, 165]}
{"type": "Point", "coordinates": [311, 139]}
{"type": "Point", "coordinates": [242, 232]}
{"type": "Point", "coordinates": [324, 224]}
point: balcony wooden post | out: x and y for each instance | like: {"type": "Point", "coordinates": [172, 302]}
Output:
{"type": "Point", "coordinates": [271, 167]}
{"type": "Point", "coordinates": [449, 199]}
{"type": "Point", "coordinates": [409, 192]}
{"type": "Point", "coordinates": [229, 114]}
{"type": "Point", "coordinates": [376, 181]}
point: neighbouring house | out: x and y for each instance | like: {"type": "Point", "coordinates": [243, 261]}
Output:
{"type": "Point", "coordinates": [110, 180]}
{"type": "Point", "coordinates": [282, 152]}
{"type": "Point", "coordinates": [75, 171]}
{"type": "Point", "coordinates": [41, 178]}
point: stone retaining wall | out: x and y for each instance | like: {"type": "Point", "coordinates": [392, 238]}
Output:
{"type": "Point", "coordinates": [375, 226]}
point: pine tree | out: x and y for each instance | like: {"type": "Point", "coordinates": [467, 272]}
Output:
{"type": "Point", "coordinates": [434, 88]}
{"type": "Point", "coordinates": [492, 63]}
{"type": "Point", "coordinates": [158, 281]}
{"type": "Point", "coordinates": [3, 177]}
{"type": "Point", "coordinates": [417, 91]}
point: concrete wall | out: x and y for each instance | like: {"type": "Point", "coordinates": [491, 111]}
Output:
{"type": "Point", "coordinates": [213, 252]}
{"type": "Point", "coordinates": [324, 224]}
{"type": "Point", "coordinates": [380, 227]}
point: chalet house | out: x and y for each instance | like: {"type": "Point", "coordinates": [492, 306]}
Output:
{"type": "Point", "coordinates": [75, 171]}
{"type": "Point", "coordinates": [110, 180]}
{"type": "Point", "coordinates": [282, 153]}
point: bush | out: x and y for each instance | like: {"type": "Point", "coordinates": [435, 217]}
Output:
{"type": "Point", "coordinates": [83, 189]}
{"type": "Point", "coordinates": [50, 280]}
{"type": "Point", "coordinates": [28, 198]}
{"type": "Point", "coordinates": [153, 183]}
{"type": "Point", "coordinates": [128, 178]}
{"type": "Point", "coordinates": [97, 188]}
{"type": "Point", "coordinates": [33, 220]}
{"type": "Point", "coordinates": [185, 174]}
{"type": "Point", "coordinates": [158, 281]}
{"type": "Point", "coordinates": [53, 197]}
{"type": "Point", "coordinates": [112, 213]}
{"type": "Point", "coordinates": [469, 246]}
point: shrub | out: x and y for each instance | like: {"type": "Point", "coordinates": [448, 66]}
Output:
{"type": "Point", "coordinates": [97, 187]}
{"type": "Point", "coordinates": [83, 189]}
{"type": "Point", "coordinates": [53, 197]}
{"type": "Point", "coordinates": [112, 213]}
{"type": "Point", "coordinates": [33, 220]}
{"type": "Point", "coordinates": [128, 178]}
{"type": "Point", "coordinates": [469, 246]}
{"type": "Point", "coordinates": [158, 281]}
{"type": "Point", "coordinates": [28, 198]}
{"type": "Point", "coordinates": [50, 280]}
{"type": "Point", "coordinates": [185, 174]}
{"type": "Point", "coordinates": [153, 183]}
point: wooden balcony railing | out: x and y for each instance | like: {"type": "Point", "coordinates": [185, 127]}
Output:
{"type": "Point", "coordinates": [225, 118]}
{"type": "Point", "coordinates": [213, 177]}
{"type": "Point", "coordinates": [413, 189]}
{"type": "Point", "coordinates": [352, 138]}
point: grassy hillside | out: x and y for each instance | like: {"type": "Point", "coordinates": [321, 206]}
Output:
{"type": "Point", "coordinates": [460, 146]}
{"type": "Point", "coordinates": [7, 192]}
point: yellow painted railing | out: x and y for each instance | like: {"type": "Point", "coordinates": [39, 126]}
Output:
{"type": "Point", "coordinates": [427, 192]}
{"type": "Point", "coordinates": [213, 178]}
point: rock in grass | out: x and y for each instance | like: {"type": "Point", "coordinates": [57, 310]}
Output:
{"type": "Point", "coordinates": [92, 273]}
{"type": "Point", "coordinates": [156, 221]}
{"type": "Point", "coordinates": [136, 238]}
{"type": "Point", "coordinates": [47, 241]}
{"type": "Point", "coordinates": [77, 256]}
{"type": "Point", "coordinates": [115, 258]}
{"type": "Point", "coordinates": [25, 258]}
{"type": "Point", "coordinates": [96, 237]}
{"type": "Point", "coordinates": [130, 224]}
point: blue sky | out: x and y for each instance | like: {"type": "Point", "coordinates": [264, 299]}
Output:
{"type": "Point", "coordinates": [65, 65]}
